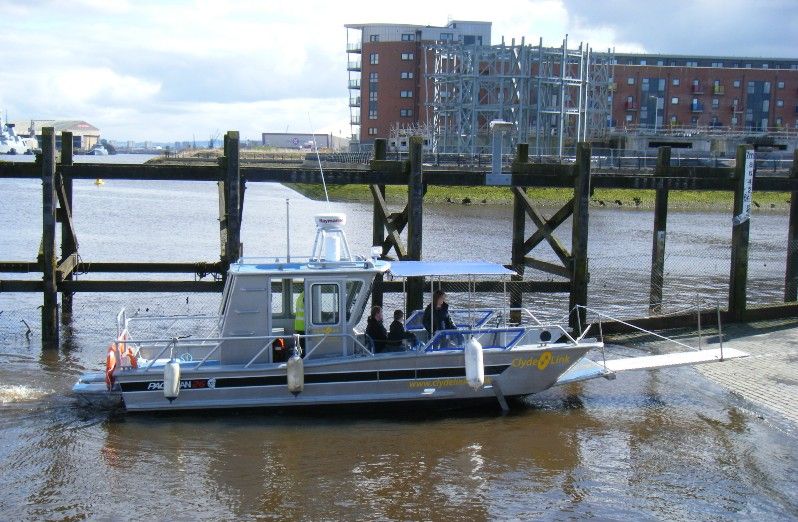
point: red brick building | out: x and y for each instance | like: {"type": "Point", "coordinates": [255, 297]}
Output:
{"type": "Point", "coordinates": [386, 72]}
{"type": "Point", "coordinates": [748, 94]}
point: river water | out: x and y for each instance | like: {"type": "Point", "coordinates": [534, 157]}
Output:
{"type": "Point", "coordinates": [651, 445]}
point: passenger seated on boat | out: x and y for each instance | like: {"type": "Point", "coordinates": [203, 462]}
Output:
{"type": "Point", "coordinates": [439, 318]}
{"type": "Point", "coordinates": [398, 334]}
{"type": "Point", "coordinates": [376, 330]}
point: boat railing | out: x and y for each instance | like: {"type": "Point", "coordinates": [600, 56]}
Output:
{"type": "Point", "coordinates": [323, 337]}
{"type": "Point", "coordinates": [168, 326]}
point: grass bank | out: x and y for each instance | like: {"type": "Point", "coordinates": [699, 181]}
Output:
{"type": "Point", "coordinates": [549, 197]}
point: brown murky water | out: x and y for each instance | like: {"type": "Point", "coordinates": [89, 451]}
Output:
{"type": "Point", "coordinates": [652, 445]}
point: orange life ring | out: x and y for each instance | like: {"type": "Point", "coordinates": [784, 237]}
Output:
{"type": "Point", "coordinates": [110, 365]}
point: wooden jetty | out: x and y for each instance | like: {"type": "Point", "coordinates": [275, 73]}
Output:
{"type": "Point", "coordinates": [399, 233]}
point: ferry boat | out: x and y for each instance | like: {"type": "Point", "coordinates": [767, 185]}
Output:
{"type": "Point", "coordinates": [251, 354]}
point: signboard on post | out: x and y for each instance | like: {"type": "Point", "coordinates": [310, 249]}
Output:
{"type": "Point", "coordinates": [748, 189]}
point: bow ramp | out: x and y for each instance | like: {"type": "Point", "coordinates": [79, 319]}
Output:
{"type": "Point", "coordinates": [587, 369]}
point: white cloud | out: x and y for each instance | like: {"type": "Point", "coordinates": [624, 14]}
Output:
{"type": "Point", "coordinates": [166, 70]}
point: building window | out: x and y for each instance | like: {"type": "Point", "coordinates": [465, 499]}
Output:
{"type": "Point", "coordinates": [372, 95]}
{"type": "Point", "coordinates": [408, 37]}
{"type": "Point", "coordinates": [674, 121]}
{"type": "Point", "coordinates": [630, 81]}
{"type": "Point", "coordinates": [447, 37]}
{"type": "Point", "coordinates": [628, 118]}
{"type": "Point", "coordinates": [765, 105]}
{"type": "Point", "coordinates": [778, 121]}
{"type": "Point", "coordinates": [374, 58]}
{"type": "Point", "coordinates": [779, 103]}
{"type": "Point", "coordinates": [374, 38]}
{"type": "Point", "coordinates": [691, 64]}
{"type": "Point", "coordinates": [748, 66]}
{"type": "Point", "coordinates": [407, 56]}
{"type": "Point", "coordinates": [661, 84]}
{"type": "Point", "coordinates": [642, 62]}
{"type": "Point", "coordinates": [766, 87]}
{"type": "Point", "coordinates": [750, 87]}
{"type": "Point", "coordinates": [660, 63]}
{"type": "Point", "coordinates": [715, 103]}
{"type": "Point", "coordinates": [373, 114]}
{"type": "Point", "coordinates": [764, 66]}
{"type": "Point", "coordinates": [780, 85]}
{"type": "Point", "coordinates": [372, 131]}
{"type": "Point", "coordinates": [406, 94]}
{"type": "Point", "coordinates": [405, 113]}
{"type": "Point", "coordinates": [675, 82]}
{"type": "Point", "coordinates": [736, 83]}
{"type": "Point", "coordinates": [644, 84]}
{"type": "Point", "coordinates": [734, 120]}
{"type": "Point", "coordinates": [374, 77]}
{"type": "Point", "coordinates": [407, 75]}
{"type": "Point", "coordinates": [717, 64]}
{"type": "Point", "coordinates": [674, 101]}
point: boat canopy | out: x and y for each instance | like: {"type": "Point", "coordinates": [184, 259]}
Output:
{"type": "Point", "coordinates": [448, 268]}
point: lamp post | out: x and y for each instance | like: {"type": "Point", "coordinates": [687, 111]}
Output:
{"type": "Point", "coordinates": [656, 110]}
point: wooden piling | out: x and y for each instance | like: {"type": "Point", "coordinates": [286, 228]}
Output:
{"type": "Point", "coordinates": [660, 233]}
{"type": "Point", "coordinates": [791, 275]}
{"type": "Point", "coordinates": [415, 204]}
{"type": "Point", "coordinates": [230, 208]}
{"type": "Point", "coordinates": [50, 288]}
{"type": "Point", "coordinates": [579, 235]}
{"type": "Point", "coordinates": [377, 226]}
{"type": "Point", "coordinates": [741, 223]}
{"type": "Point", "coordinates": [69, 241]}
{"type": "Point", "coordinates": [519, 236]}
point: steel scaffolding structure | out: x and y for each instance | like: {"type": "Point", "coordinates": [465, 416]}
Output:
{"type": "Point", "coordinates": [553, 96]}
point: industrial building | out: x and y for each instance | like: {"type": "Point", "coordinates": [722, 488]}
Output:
{"type": "Point", "coordinates": [84, 135]}
{"type": "Point", "coordinates": [448, 82]}
{"type": "Point", "coordinates": [298, 140]}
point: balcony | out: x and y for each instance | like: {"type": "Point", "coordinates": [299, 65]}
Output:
{"type": "Point", "coordinates": [353, 66]}
{"type": "Point", "coordinates": [630, 106]}
{"type": "Point", "coordinates": [697, 107]}
{"type": "Point", "coordinates": [735, 107]}
{"type": "Point", "coordinates": [354, 84]}
{"type": "Point", "coordinates": [718, 90]}
{"type": "Point", "coordinates": [697, 89]}
{"type": "Point", "coordinates": [355, 119]}
{"type": "Point", "coordinates": [354, 101]}
{"type": "Point", "coordinates": [355, 47]}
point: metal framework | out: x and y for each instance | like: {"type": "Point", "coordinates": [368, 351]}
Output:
{"type": "Point", "coordinates": [553, 96]}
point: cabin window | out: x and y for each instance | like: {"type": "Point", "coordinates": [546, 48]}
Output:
{"type": "Point", "coordinates": [353, 289]}
{"type": "Point", "coordinates": [326, 304]}
{"type": "Point", "coordinates": [277, 298]}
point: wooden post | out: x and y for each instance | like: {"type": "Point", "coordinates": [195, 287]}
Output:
{"type": "Point", "coordinates": [50, 304]}
{"type": "Point", "coordinates": [738, 277]}
{"type": "Point", "coordinates": [415, 201]}
{"type": "Point", "coordinates": [660, 233]}
{"type": "Point", "coordinates": [791, 276]}
{"type": "Point", "coordinates": [579, 234]}
{"type": "Point", "coordinates": [233, 181]}
{"type": "Point", "coordinates": [519, 232]}
{"type": "Point", "coordinates": [69, 243]}
{"type": "Point", "coordinates": [230, 201]}
{"type": "Point", "coordinates": [377, 226]}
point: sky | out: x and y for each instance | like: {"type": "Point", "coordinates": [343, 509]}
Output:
{"type": "Point", "coordinates": [180, 70]}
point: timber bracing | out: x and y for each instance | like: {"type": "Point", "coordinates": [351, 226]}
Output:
{"type": "Point", "coordinates": [572, 266]}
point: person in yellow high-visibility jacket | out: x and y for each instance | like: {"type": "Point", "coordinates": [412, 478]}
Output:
{"type": "Point", "coordinates": [299, 317]}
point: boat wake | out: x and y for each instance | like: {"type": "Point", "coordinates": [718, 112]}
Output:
{"type": "Point", "coordinates": [10, 394]}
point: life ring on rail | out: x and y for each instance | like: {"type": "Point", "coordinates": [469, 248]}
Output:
{"type": "Point", "coordinates": [111, 361]}
{"type": "Point", "coordinates": [110, 365]}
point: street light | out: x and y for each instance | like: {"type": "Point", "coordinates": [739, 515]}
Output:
{"type": "Point", "coordinates": [656, 110]}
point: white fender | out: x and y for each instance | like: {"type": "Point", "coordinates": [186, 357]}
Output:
{"type": "Point", "coordinates": [475, 369]}
{"type": "Point", "coordinates": [171, 380]}
{"type": "Point", "coordinates": [296, 374]}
